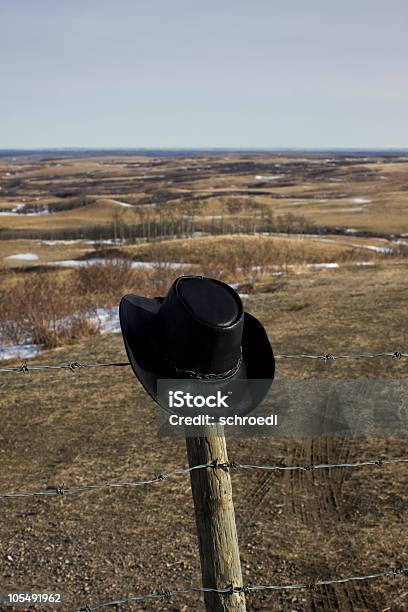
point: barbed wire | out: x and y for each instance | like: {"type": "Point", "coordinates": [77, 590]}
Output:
{"type": "Point", "coordinates": [62, 490]}
{"type": "Point", "coordinates": [330, 357]}
{"type": "Point", "coordinates": [24, 368]}
{"type": "Point", "coordinates": [248, 589]}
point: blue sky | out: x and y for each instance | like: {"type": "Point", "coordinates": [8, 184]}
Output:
{"type": "Point", "coordinates": [219, 73]}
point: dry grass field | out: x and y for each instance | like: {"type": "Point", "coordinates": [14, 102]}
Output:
{"type": "Point", "coordinates": [258, 250]}
{"type": "Point", "coordinates": [88, 426]}
{"type": "Point", "coordinates": [365, 193]}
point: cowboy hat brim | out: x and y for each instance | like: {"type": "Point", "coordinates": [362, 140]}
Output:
{"type": "Point", "coordinates": [136, 314]}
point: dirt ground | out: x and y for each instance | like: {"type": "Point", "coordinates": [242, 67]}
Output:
{"type": "Point", "coordinates": [69, 428]}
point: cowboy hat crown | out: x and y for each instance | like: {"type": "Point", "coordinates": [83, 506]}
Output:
{"type": "Point", "coordinates": [198, 329]}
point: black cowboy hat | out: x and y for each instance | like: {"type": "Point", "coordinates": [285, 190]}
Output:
{"type": "Point", "coordinates": [198, 332]}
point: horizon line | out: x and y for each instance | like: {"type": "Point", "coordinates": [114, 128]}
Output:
{"type": "Point", "coordinates": [201, 148]}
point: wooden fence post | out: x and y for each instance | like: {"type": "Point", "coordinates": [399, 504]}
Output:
{"type": "Point", "coordinates": [215, 520]}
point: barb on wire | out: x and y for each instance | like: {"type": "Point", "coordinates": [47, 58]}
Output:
{"type": "Point", "coordinates": [231, 589]}
{"type": "Point", "coordinates": [75, 365]}
{"type": "Point", "coordinates": [62, 490]}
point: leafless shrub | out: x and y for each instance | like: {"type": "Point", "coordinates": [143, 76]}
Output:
{"type": "Point", "coordinates": [45, 309]}
{"type": "Point", "coordinates": [159, 278]}
{"type": "Point", "coordinates": [104, 283]}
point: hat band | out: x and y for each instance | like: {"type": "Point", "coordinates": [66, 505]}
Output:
{"type": "Point", "coordinates": [194, 373]}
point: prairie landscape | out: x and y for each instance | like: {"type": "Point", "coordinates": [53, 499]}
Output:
{"type": "Point", "coordinates": [317, 246]}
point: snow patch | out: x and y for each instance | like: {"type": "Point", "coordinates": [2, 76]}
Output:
{"type": "Point", "coordinates": [18, 351]}
{"type": "Point", "coordinates": [364, 263]}
{"type": "Point", "coordinates": [54, 242]}
{"type": "Point", "coordinates": [107, 241]}
{"type": "Point", "coordinates": [206, 217]}
{"type": "Point", "coordinates": [351, 210]}
{"type": "Point", "coordinates": [321, 266]}
{"type": "Point", "coordinates": [21, 208]}
{"type": "Point", "coordinates": [24, 257]}
{"type": "Point", "coordinates": [125, 204]}
{"type": "Point", "coordinates": [108, 319]}
{"type": "Point", "coordinates": [372, 247]}
{"type": "Point", "coordinates": [68, 263]}
{"type": "Point", "coordinates": [360, 201]}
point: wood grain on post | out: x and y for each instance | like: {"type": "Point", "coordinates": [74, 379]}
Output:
{"type": "Point", "coordinates": [215, 519]}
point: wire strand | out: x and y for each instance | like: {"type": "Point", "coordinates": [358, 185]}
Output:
{"type": "Point", "coordinates": [24, 368]}
{"type": "Point", "coordinates": [231, 590]}
{"type": "Point", "coordinates": [62, 490]}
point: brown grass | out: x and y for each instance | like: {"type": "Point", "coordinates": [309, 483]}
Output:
{"type": "Point", "coordinates": [241, 250]}
{"type": "Point", "coordinates": [46, 252]}
{"type": "Point", "coordinates": [100, 212]}
{"type": "Point", "coordinates": [45, 310]}
{"type": "Point", "coordinates": [100, 426]}
{"type": "Point", "coordinates": [56, 307]}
